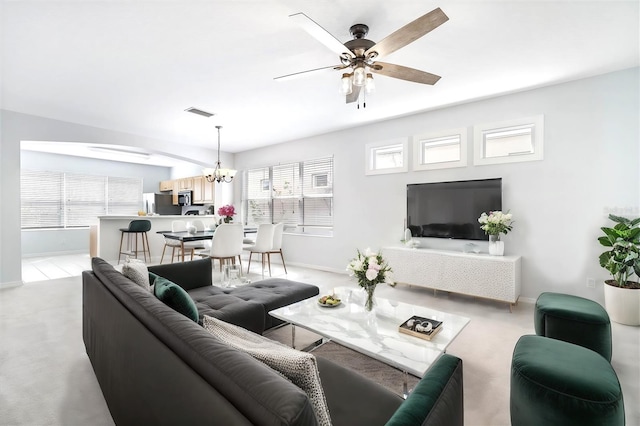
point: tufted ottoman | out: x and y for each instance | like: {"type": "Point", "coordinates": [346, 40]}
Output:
{"type": "Point", "coordinates": [575, 320]}
{"type": "Point", "coordinates": [559, 383]}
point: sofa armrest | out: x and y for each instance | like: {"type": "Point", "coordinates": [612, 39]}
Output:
{"type": "Point", "coordinates": [188, 275]}
{"type": "Point", "coordinates": [353, 399]}
{"type": "Point", "coordinates": [437, 398]}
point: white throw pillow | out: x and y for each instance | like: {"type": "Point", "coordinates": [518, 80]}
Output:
{"type": "Point", "coordinates": [299, 367]}
{"type": "Point", "coordinates": [137, 271]}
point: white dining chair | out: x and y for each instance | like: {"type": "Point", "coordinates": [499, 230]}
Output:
{"type": "Point", "coordinates": [263, 245]}
{"type": "Point", "coordinates": [174, 244]}
{"type": "Point", "coordinates": [226, 244]}
{"type": "Point", "coordinates": [200, 226]}
{"type": "Point", "coordinates": [276, 247]}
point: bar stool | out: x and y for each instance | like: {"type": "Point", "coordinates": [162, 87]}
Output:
{"type": "Point", "coordinates": [136, 227]}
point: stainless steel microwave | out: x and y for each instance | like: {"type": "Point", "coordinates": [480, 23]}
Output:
{"type": "Point", "coordinates": [184, 198]}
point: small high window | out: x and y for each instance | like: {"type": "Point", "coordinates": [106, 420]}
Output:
{"type": "Point", "coordinates": [509, 141]}
{"type": "Point", "coordinates": [387, 157]}
{"type": "Point", "coordinates": [440, 150]}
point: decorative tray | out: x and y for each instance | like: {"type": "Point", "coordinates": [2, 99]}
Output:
{"type": "Point", "coordinates": [424, 328]}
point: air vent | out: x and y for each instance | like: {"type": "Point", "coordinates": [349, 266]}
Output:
{"type": "Point", "coordinates": [200, 112]}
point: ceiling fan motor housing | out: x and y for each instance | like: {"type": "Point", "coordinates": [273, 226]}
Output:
{"type": "Point", "coordinates": [359, 44]}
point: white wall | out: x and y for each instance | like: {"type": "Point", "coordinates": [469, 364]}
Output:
{"type": "Point", "coordinates": [15, 127]}
{"type": "Point", "coordinates": [590, 165]}
{"type": "Point", "coordinates": [151, 175]}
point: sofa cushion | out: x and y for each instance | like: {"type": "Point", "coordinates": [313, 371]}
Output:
{"type": "Point", "coordinates": [214, 302]}
{"type": "Point", "coordinates": [176, 297]}
{"type": "Point", "coordinates": [274, 293]}
{"type": "Point", "coordinates": [299, 367]}
{"type": "Point", "coordinates": [188, 275]}
{"type": "Point", "coordinates": [137, 271]}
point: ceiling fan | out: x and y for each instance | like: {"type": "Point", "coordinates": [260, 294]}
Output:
{"type": "Point", "coordinates": [360, 54]}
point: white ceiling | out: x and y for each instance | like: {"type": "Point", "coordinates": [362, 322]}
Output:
{"type": "Point", "coordinates": [134, 66]}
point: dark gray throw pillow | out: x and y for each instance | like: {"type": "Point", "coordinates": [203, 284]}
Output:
{"type": "Point", "coordinates": [174, 296]}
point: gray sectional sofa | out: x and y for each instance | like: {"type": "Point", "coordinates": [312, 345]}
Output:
{"type": "Point", "coordinates": [156, 366]}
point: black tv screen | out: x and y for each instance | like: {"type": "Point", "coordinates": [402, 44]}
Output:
{"type": "Point", "coordinates": [451, 209]}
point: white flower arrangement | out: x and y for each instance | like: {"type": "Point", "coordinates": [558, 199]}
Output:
{"type": "Point", "coordinates": [496, 223]}
{"type": "Point", "coordinates": [370, 269]}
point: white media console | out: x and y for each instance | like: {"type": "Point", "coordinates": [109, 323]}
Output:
{"type": "Point", "coordinates": [479, 275]}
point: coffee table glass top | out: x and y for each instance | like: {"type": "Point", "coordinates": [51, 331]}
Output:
{"type": "Point", "coordinates": [375, 335]}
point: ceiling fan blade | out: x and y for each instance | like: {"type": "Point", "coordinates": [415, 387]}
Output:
{"type": "Point", "coordinates": [320, 34]}
{"type": "Point", "coordinates": [405, 73]}
{"type": "Point", "coordinates": [302, 73]}
{"type": "Point", "coordinates": [353, 96]}
{"type": "Point", "coordinates": [409, 33]}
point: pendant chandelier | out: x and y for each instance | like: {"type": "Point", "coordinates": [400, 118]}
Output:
{"type": "Point", "coordinates": [219, 174]}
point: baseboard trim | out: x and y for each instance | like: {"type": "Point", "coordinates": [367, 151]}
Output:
{"type": "Point", "coordinates": [11, 284]}
{"type": "Point", "coordinates": [54, 253]}
{"type": "Point", "coordinates": [316, 267]}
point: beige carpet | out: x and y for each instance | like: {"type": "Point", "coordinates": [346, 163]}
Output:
{"type": "Point", "coordinates": [484, 346]}
{"type": "Point", "coordinates": [46, 377]}
{"type": "Point", "coordinates": [379, 372]}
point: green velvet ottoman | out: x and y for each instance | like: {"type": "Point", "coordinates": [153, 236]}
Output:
{"type": "Point", "coordinates": [559, 383]}
{"type": "Point", "coordinates": [575, 320]}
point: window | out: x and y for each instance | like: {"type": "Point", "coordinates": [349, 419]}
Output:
{"type": "Point", "coordinates": [509, 141]}
{"type": "Point", "coordinates": [66, 200]}
{"type": "Point", "coordinates": [387, 157]}
{"type": "Point", "coordinates": [440, 150]}
{"type": "Point", "coordinates": [301, 196]}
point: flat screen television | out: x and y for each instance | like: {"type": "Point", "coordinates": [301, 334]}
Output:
{"type": "Point", "coordinates": [451, 209]}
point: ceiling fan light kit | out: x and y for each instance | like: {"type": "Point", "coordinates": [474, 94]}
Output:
{"type": "Point", "coordinates": [360, 54]}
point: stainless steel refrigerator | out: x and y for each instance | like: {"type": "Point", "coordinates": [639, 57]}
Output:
{"type": "Point", "coordinates": [159, 204]}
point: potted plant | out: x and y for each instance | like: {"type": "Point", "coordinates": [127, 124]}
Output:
{"type": "Point", "coordinates": [622, 260]}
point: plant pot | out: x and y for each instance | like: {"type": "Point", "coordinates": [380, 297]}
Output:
{"type": "Point", "coordinates": [622, 304]}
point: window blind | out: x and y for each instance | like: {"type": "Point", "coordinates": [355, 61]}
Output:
{"type": "Point", "coordinates": [51, 199]}
{"type": "Point", "coordinates": [41, 204]}
{"type": "Point", "coordinates": [286, 194]}
{"type": "Point", "coordinates": [258, 196]}
{"type": "Point", "coordinates": [300, 195]}
{"type": "Point", "coordinates": [124, 195]}
{"type": "Point", "coordinates": [84, 199]}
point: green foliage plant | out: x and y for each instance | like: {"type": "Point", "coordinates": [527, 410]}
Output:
{"type": "Point", "coordinates": [622, 260]}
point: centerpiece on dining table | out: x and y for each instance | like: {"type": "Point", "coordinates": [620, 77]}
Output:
{"type": "Point", "coordinates": [227, 212]}
{"type": "Point", "coordinates": [370, 269]}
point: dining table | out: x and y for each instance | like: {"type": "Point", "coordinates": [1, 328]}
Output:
{"type": "Point", "coordinates": [185, 237]}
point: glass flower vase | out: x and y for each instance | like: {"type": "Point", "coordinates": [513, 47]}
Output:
{"type": "Point", "coordinates": [369, 302]}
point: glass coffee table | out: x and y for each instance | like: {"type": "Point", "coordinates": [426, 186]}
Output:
{"type": "Point", "coordinates": [375, 334]}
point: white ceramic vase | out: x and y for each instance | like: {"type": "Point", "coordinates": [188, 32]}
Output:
{"type": "Point", "coordinates": [496, 246]}
{"type": "Point", "coordinates": [622, 304]}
